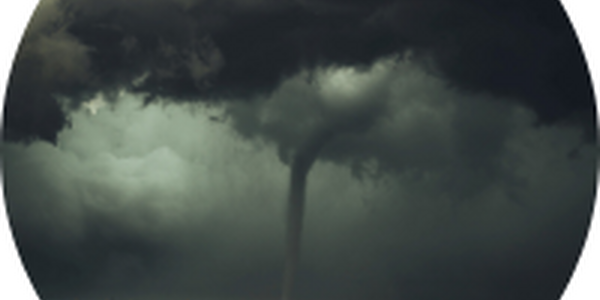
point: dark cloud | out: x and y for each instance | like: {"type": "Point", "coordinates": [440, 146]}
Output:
{"type": "Point", "coordinates": [432, 141]}
{"type": "Point", "coordinates": [193, 50]}
{"type": "Point", "coordinates": [393, 118]}
{"type": "Point", "coordinates": [123, 208]}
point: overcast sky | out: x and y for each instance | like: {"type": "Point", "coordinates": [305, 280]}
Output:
{"type": "Point", "coordinates": [148, 148]}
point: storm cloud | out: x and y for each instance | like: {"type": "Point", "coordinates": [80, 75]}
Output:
{"type": "Point", "coordinates": [439, 149]}
{"type": "Point", "coordinates": [121, 207]}
{"type": "Point", "coordinates": [203, 50]}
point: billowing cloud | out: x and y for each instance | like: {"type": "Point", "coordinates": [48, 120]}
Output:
{"type": "Point", "coordinates": [428, 144]}
{"type": "Point", "coordinates": [173, 201]}
{"type": "Point", "coordinates": [392, 118]}
{"type": "Point", "coordinates": [208, 50]}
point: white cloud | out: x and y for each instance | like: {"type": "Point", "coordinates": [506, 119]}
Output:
{"type": "Point", "coordinates": [94, 105]}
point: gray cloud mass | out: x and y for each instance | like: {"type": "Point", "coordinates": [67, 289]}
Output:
{"type": "Point", "coordinates": [122, 207]}
{"type": "Point", "coordinates": [434, 149]}
{"type": "Point", "coordinates": [224, 50]}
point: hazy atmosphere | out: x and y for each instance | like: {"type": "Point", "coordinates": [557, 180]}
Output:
{"type": "Point", "coordinates": [209, 150]}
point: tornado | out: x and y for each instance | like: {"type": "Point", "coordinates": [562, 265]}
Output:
{"type": "Point", "coordinates": [301, 164]}
{"type": "Point", "coordinates": [343, 110]}
{"type": "Point", "coordinates": [356, 120]}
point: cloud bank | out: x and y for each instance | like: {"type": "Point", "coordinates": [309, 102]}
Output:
{"type": "Point", "coordinates": [171, 201]}
{"type": "Point", "coordinates": [447, 144]}
{"type": "Point", "coordinates": [215, 51]}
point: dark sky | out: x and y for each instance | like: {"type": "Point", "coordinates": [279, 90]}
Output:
{"type": "Point", "coordinates": [147, 148]}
